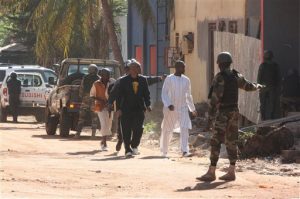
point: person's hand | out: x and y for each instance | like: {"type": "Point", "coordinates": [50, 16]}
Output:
{"type": "Point", "coordinates": [194, 113]}
{"type": "Point", "coordinates": [259, 86]}
{"type": "Point", "coordinates": [149, 109]}
{"type": "Point", "coordinates": [171, 107]}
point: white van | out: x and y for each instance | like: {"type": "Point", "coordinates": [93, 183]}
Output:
{"type": "Point", "coordinates": [34, 93]}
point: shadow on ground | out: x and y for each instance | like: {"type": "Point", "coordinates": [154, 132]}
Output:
{"type": "Point", "coordinates": [204, 186]}
{"type": "Point", "coordinates": [112, 158]}
{"type": "Point", "coordinates": [84, 152]}
{"type": "Point", "coordinates": [70, 138]}
{"type": "Point", "coordinates": [153, 157]}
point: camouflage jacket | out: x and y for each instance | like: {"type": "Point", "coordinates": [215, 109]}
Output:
{"type": "Point", "coordinates": [217, 91]}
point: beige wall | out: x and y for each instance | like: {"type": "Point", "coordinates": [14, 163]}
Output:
{"type": "Point", "coordinates": [194, 16]}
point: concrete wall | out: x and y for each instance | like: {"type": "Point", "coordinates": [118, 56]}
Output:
{"type": "Point", "coordinates": [282, 33]}
{"type": "Point", "coordinates": [194, 16]}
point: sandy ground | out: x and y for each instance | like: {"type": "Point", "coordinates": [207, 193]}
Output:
{"type": "Point", "coordinates": [34, 165]}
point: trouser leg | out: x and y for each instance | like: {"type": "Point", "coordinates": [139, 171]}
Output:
{"type": "Point", "coordinates": [184, 139]}
{"type": "Point", "coordinates": [231, 137]}
{"type": "Point", "coordinates": [126, 124]}
{"type": "Point", "coordinates": [95, 122]}
{"type": "Point", "coordinates": [14, 104]}
{"type": "Point", "coordinates": [119, 135]}
{"type": "Point", "coordinates": [81, 120]}
{"type": "Point", "coordinates": [165, 138]}
{"type": "Point", "coordinates": [137, 129]}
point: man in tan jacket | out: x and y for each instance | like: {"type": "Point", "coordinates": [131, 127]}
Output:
{"type": "Point", "coordinates": [100, 92]}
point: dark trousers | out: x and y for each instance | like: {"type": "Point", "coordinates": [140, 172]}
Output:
{"type": "Point", "coordinates": [14, 105]}
{"type": "Point", "coordinates": [132, 129]}
{"type": "Point", "coordinates": [119, 131]}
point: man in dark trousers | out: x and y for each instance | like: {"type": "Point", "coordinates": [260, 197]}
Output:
{"type": "Point", "coordinates": [133, 96]}
{"type": "Point", "coordinates": [150, 79]}
{"type": "Point", "coordinates": [269, 75]}
{"type": "Point", "coordinates": [14, 91]}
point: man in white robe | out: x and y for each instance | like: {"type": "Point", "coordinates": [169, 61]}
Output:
{"type": "Point", "coordinates": [177, 100]}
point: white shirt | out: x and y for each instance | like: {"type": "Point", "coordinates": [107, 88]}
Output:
{"type": "Point", "coordinates": [177, 91]}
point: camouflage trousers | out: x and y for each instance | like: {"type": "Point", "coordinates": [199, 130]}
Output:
{"type": "Point", "coordinates": [225, 132]}
{"type": "Point", "coordinates": [86, 110]}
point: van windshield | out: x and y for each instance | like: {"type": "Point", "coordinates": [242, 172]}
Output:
{"type": "Point", "coordinates": [83, 68]}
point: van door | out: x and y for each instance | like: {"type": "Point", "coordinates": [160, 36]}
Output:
{"type": "Point", "coordinates": [32, 91]}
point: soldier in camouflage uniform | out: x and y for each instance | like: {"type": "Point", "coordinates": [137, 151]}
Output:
{"type": "Point", "coordinates": [87, 102]}
{"type": "Point", "coordinates": [224, 113]}
{"type": "Point", "coordinates": [269, 75]}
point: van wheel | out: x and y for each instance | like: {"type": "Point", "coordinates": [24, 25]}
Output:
{"type": "Point", "coordinates": [51, 123]}
{"type": "Point", "coordinates": [40, 115]}
{"type": "Point", "coordinates": [64, 123]}
{"type": "Point", "coordinates": [3, 114]}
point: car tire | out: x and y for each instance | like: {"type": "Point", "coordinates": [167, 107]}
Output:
{"type": "Point", "coordinates": [51, 123]}
{"type": "Point", "coordinates": [64, 123]}
{"type": "Point", "coordinates": [40, 115]}
{"type": "Point", "coordinates": [3, 114]}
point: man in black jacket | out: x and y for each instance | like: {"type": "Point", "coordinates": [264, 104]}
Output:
{"type": "Point", "coordinates": [14, 91]}
{"type": "Point", "coordinates": [134, 97]}
{"type": "Point", "coordinates": [150, 79]}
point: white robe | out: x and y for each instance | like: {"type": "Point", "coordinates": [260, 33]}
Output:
{"type": "Point", "coordinates": [177, 91]}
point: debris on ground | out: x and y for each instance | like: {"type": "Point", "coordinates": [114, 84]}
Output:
{"type": "Point", "coordinates": [266, 142]}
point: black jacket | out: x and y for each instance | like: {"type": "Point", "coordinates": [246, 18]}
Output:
{"type": "Point", "coordinates": [14, 87]}
{"type": "Point", "coordinates": [128, 101]}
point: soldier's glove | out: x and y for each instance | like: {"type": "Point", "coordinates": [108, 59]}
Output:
{"type": "Point", "coordinates": [259, 86]}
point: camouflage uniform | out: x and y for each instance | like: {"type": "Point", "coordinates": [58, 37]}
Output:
{"type": "Point", "coordinates": [87, 104]}
{"type": "Point", "coordinates": [225, 115]}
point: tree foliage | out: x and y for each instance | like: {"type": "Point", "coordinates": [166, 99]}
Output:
{"type": "Point", "coordinates": [63, 28]}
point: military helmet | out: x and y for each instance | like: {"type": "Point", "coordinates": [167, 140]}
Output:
{"type": "Point", "coordinates": [268, 54]}
{"type": "Point", "coordinates": [224, 57]}
{"type": "Point", "coordinates": [93, 69]}
{"type": "Point", "coordinates": [13, 75]}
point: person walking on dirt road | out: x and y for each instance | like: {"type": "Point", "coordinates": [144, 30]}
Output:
{"type": "Point", "coordinates": [134, 95]}
{"type": "Point", "coordinates": [224, 113]}
{"type": "Point", "coordinates": [150, 79]}
{"type": "Point", "coordinates": [100, 92]}
{"type": "Point", "coordinates": [177, 99]}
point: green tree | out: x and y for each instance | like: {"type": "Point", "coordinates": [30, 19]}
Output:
{"type": "Point", "coordinates": [65, 28]}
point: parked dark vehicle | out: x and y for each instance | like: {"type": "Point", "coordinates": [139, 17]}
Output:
{"type": "Point", "coordinates": [63, 103]}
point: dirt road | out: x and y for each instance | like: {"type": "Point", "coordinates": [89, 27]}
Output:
{"type": "Point", "coordinates": [34, 165]}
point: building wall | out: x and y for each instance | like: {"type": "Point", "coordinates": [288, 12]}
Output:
{"type": "Point", "coordinates": [282, 33]}
{"type": "Point", "coordinates": [195, 16]}
{"type": "Point", "coordinates": [146, 36]}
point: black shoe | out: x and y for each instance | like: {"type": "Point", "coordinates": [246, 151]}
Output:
{"type": "Point", "coordinates": [119, 145]}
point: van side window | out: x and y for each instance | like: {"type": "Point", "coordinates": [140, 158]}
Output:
{"type": "Point", "coordinates": [28, 80]}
